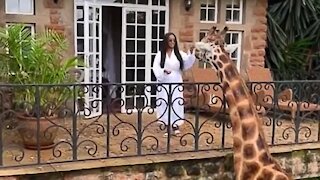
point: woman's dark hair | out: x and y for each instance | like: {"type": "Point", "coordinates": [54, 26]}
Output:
{"type": "Point", "coordinates": [165, 47]}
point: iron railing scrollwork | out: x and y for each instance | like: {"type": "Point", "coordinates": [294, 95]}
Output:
{"type": "Point", "coordinates": [131, 124]}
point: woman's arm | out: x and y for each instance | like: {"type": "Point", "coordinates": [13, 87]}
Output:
{"type": "Point", "coordinates": [188, 59]}
{"type": "Point", "coordinates": [157, 70]}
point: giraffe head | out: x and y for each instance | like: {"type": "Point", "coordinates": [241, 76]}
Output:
{"type": "Point", "coordinates": [204, 48]}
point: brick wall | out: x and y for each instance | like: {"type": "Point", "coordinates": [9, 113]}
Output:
{"type": "Point", "coordinates": [60, 19]}
{"type": "Point", "coordinates": [182, 23]}
{"type": "Point", "coordinates": [259, 35]}
{"type": "Point", "coordinates": [186, 25]}
{"type": "Point", "coordinates": [48, 14]}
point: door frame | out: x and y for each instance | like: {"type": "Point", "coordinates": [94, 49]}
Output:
{"type": "Point", "coordinates": [124, 6]}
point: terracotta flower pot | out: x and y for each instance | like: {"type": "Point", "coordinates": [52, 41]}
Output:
{"type": "Point", "coordinates": [47, 131]}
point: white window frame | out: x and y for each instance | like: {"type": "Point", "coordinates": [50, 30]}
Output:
{"type": "Point", "coordinates": [232, 9]}
{"type": "Point", "coordinates": [19, 11]}
{"type": "Point", "coordinates": [207, 8]}
{"type": "Point", "coordinates": [237, 60]}
{"type": "Point", "coordinates": [26, 24]}
{"type": "Point", "coordinates": [202, 64]}
{"type": "Point", "coordinates": [32, 26]}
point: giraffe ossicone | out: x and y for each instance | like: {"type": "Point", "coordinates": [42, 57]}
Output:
{"type": "Point", "coordinates": [252, 159]}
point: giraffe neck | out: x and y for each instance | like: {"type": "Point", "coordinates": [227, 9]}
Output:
{"type": "Point", "coordinates": [251, 153]}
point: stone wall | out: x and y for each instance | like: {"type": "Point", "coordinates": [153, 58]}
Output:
{"type": "Point", "coordinates": [258, 35]}
{"type": "Point", "coordinates": [186, 25]}
{"type": "Point", "coordinates": [48, 14]}
{"type": "Point", "coordinates": [300, 163]}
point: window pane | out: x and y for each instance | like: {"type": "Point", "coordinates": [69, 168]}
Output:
{"type": "Point", "coordinates": [130, 1]}
{"type": "Point", "coordinates": [235, 38]}
{"type": "Point", "coordinates": [162, 17]}
{"type": "Point", "coordinates": [152, 59]}
{"type": "Point", "coordinates": [141, 46]}
{"type": "Point", "coordinates": [236, 4]}
{"type": "Point", "coordinates": [211, 3]}
{"type": "Point", "coordinates": [211, 14]}
{"type": "Point", "coordinates": [80, 28]}
{"type": "Point", "coordinates": [228, 15]}
{"type": "Point", "coordinates": [12, 6]}
{"type": "Point", "coordinates": [141, 61]}
{"type": "Point", "coordinates": [154, 17]}
{"type": "Point", "coordinates": [141, 75]}
{"type": "Point", "coordinates": [80, 13]}
{"type": "Point", "coordinates": [141, 18]}
{"type": "Point", "coordinates": [154, 33]}
{"type": "Point", "coordinates": [130, 61]}
{"type": "Point", "coordinates": [154, 47]}
{"type": "Point", "coordinates": [130, 75]}
{"type": "Point", "coordinates": [229, 3]}
{"type": "Point", "coordinates": [160, 44]}
{"type": "Point", "coordinates": [80, 45]}
{"type": "Point", "coordinates": [154, 2]}
{"type": "Point", "coordinates": [130, 46]}
{"type": "Point", "coordinates": [161, 32]}
{"type": "Point", "coordinates": [130, 31]}
{"type": "Point", "coordinates": [162, 2]}
{"type": "Point", "coordinates": [141, 32]}
{"type": "Point", "coordinates": [227, 38]}
{"type": "Point", "coordinates": [131, 16]}
{"type": "Point", "coordinates": [142, 1]}
{"type": "Point", "coordinates": [91, 44]}
{"type": "Point", "coordinates": [236, 16]}
{"type": "Point", "coordinates": [202, 35]}
{"type": "Point", "coordinates": [26, 6]}
{"type": "Point", "coordinates": [203, 15]}
{"type": "Point", "coordinates": [203, 3]}
{"type": "Point", "coordinates": [235, 54]}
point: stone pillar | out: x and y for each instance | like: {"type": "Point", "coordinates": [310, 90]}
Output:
{"type": "Point", "coordinates": [181, 22]}
{"type": "Point", "coordinates": [186, 32]}
{"type": "Point", "coordinates": [259, 35]}
{"type": "Point", "coordinates": [2, 13]}
{"type": "Point", "coordinates": [60, 18]}
{"type": "Point", "coordinates": [56, 20]}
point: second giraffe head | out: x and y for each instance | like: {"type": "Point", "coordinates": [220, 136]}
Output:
{"type": "Point", "coordinates": [213, 44]}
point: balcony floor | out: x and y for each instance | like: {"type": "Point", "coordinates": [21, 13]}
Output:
{"type": "Point", "coordinates": [92, 142]}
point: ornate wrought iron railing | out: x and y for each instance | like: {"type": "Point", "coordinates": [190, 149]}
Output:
{"type": "Point", "coordinates": [55, 123]}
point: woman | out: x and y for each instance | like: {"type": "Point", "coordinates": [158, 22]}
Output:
{"type": "Point", "coordinates": [167, 67]}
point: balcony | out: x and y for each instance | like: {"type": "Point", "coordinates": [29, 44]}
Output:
{"type": "Point", "coordinates": [290, 119]}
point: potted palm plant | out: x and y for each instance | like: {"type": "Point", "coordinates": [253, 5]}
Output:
{"type": "Point", "coordinates": [36, 67]}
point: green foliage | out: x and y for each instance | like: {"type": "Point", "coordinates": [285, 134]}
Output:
{"type": "Point", "coordinates": [39, 60]}
{"type": "Point", "coordinates": [293, 38]}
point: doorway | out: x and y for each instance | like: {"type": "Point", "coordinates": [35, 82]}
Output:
{"type": "Point", "coordinates": [111, 52]}
{"type": "Point", "coordinates": [135, 30]}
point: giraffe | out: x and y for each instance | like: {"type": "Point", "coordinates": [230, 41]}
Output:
{"type": "Point", "coordinates": [252, 159]}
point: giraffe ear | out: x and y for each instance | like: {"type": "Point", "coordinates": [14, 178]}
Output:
{"type": "Point", "coordinates": [212, 30]}
{"type": "Point", "coordinates": [224, 31]}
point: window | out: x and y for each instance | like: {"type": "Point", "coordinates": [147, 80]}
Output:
{"type": "Point", "coordinates": [208, 11]}
{"type": "Point", "coordinates": [24, 47]}
{"type": "Point", "coordinates": [234, 9]}
{"type": "Point", "coordinates": [202, 64]}
{"type": "Point", "coordinates": [233, 39]}
{"type": "Point", "coordinates": [30, 27]}
{"type": "Point", "coordinates": [20, 7]}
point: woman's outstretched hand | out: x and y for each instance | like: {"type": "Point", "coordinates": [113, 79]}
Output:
{"type": "Point", "coordinates": [191, 50]}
